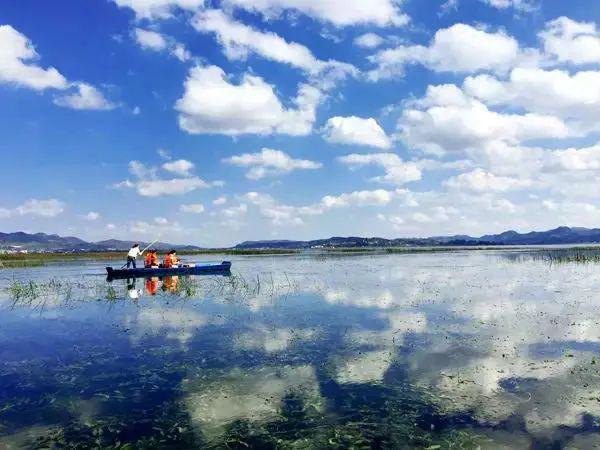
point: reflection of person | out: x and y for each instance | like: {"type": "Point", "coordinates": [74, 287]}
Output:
{"type": "Point", "coordinates": [151, 260]}
{"type": "Point", "coordinates": [171, 260]}
{"type": "Point", "coordinates": [133, 253]}
{"type": "Point", "coordinates": [152, 285]}
{"type": "Point", "coordinates": [170, 284]}
{"type": "Point", "coordinates": [132, 292]}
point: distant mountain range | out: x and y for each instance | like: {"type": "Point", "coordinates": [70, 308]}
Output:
{"type": "Point", "coordinates": [560, 235]}
{"type": "Point", "coordinates": [54, 242]}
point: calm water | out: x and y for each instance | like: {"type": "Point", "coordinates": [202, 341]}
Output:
{"type": "Point", "coordinates": [453, 350]}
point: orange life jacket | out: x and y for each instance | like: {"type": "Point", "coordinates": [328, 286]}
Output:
{"type": "Point", "coordinates": [151, 259]}
{"type": "Point", "coordinates": [168, 261]}
{"type": "Point", "coordinates": [148, 259]}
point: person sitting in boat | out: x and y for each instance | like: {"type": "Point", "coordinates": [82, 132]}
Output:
{"type": "Point", "coordinates": [171, 260]}
{"type": "Point", "coordinates": [133, 253]}
{"type": "Point", "coordinates": [151, 260]}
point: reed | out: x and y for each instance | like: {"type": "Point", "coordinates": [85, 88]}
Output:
{"type": "Point", "coordinates": [575, 255]}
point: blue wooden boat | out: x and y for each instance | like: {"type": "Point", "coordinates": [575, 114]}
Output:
{"type": "Point", "coordinates": [214, 269]}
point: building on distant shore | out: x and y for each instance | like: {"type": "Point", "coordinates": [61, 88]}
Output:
{"type": "Point", "coordinates": [13, 249]}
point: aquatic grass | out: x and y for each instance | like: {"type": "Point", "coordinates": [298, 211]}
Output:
{"type": "Point", "coordinates": [111, 293]}
{"type": "Point", "coordinates": [187, 286]}
{"type": "Point", "coordinates": [576, 255]}
{"type": "Point", "coordinates": [19, 290]}
{"type": "Point", "coordinates": [20, 263]}
{"type": "Point", "coordinates": [38, 293]}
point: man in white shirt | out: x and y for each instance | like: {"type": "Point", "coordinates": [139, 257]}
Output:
{"type": "Point", "coordinates": [133, 253]}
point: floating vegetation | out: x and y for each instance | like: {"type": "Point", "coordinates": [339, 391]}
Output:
{"type": "Point", "coordinates": [53, 291]}
{"type": "Point", "coordinates": [40, 293]}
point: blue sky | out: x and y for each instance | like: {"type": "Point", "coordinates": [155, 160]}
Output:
{"type": "Point", "coordinates": [217, 122]}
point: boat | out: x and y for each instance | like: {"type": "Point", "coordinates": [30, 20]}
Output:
{"type": "Point", "coordinates": [213, 269]}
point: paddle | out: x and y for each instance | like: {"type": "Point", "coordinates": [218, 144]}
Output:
{"type": "Point", "coordinates": [150, 245]}
{"type": "Point", "coordinates": [145, 248]}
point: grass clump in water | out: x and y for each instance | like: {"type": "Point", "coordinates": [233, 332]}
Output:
{"type": "Point", "coordinates": [187, 286]}
{"type": "Point", "coordinates": [577, 255]}
{"type": "Point", "coordinates": [20, 291]}
{"type": "Point", "coordinates": [111, 293]}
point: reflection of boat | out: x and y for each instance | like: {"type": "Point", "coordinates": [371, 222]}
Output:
{"type": "Point", "coordinates": [217, 269]}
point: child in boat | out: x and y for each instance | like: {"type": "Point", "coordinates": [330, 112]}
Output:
{"type": "Point", "coordinates": [151, 260]}
{"type": "Point", "coordinates": [171, 260]}
{"type": "Point", "coordinates": [133, 253]}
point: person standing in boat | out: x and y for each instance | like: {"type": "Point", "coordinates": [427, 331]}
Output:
{"type": "Point", "coordinates": [133, 253]}
{"type": "Point", "coordinates": [171, 260]}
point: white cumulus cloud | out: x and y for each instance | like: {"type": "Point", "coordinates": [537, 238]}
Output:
{"type": "Point", "coordinates": [174, 186]}
{"type": "Point", "coordinates": [479, 180]}
{"type": "Point", "coordinates": [158, 9]}
{"type": "Point", "coordinates": [460, 48]}
{"type": "Point", "coordinates": [239, 40]}
{"type": "Point", "coordinates": [338, 12]}
{"type": "Point", "coordinates": [369, 40]}
{"type": "Point", "coordinates": [213, 105]}
{"type": "Point", "coordinates": [86, 97]}
{"type": "Point", "coordinates": [447, 120]}
{"type": "Point", "coordinates": [555, 92]}
{"type": "Point", "coordinates": [193, 208]}
{"type": "Point", "coordinates": [150, 40]}
{"type": "Point", "coordinates": [92, 216]}
{"type": "Point", "coordinates": [18, 63]}
{"type": "Point", "coordinates": [154, 41]}
{"type": "Point", "coordinates": [18, 66]}
{"type": "Point", "coordinates": [356, 131]}
{"type": "Point", "coordinates": [42, 208]}
{"type": "Point", "coordinates": [220, 200]}
{"type": "Point", "coordinates": [568, 41]}
{"type": "Point", "coordinates": [397, 171]}
{"type": "Point", "coordinates": [519, 5]}
{"type": "Point", "coordinates": [270, 162]}
{"type": "Point", "coordinates": [181, 167]}
{"type": "Point", "coordinates": [148, 184]}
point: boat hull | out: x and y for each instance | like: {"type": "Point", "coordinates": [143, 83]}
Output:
{"type": "Point", "coordinates": [214, 269]}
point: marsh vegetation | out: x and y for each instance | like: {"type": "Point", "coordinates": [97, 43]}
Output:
{"type": "Point", "coordinates": [578, 255]}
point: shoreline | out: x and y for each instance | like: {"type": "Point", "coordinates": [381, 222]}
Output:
{"type": "Point", "coordinates": [32, 257]}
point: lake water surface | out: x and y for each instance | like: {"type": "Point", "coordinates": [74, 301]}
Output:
{"type": "Point", "coordinates": [432, 350]}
